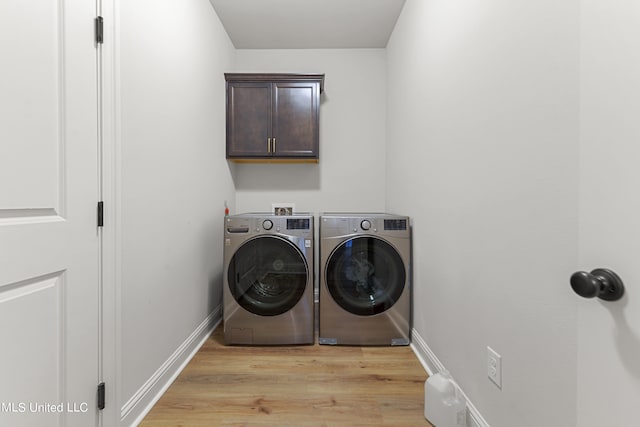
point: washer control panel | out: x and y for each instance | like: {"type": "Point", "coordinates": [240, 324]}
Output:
{"type": "Point", "coordinates": [257, 223]}
{"type": "Point", "coordinates": [298, 224]}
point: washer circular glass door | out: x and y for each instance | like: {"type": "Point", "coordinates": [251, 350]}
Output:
{"type": "Point", "coordinates": [365, 275]}
{"type": "Point", "coordinates": [267, 275]}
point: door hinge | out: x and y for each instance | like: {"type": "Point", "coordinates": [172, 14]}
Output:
{"type": "Point", "coordinates": [101, 393]}
{"type": "Point", "coordinates": [100, 214]}
{"type": "Point", "coordinates": [99, 30]}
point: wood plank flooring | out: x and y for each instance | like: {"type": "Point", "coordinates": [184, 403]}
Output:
{"type": "Point", "coordinates": [294, 386]}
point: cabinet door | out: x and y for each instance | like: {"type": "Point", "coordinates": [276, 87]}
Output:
{"type": "Point", "coordinates": [296, 118]}
{"type": "Point", "coordinates": [248, 119]}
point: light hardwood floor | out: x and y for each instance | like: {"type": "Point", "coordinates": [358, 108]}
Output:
{"type": "Point", "coordinates": [294, 386]}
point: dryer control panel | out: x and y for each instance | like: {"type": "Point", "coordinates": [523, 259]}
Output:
{"type": "Point", "coordinates": [395, 224]}
{"type": "Point", "coordinates": [339, 225]}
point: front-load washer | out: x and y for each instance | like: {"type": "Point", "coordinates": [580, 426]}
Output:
{"type": "Point", "coordinates": [365, 294]}
{"type": "Point", "coordinates": [268, 279]}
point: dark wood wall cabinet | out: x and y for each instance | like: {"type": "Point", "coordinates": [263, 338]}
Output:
{"type": "Point", "coordinates": [273, 116]}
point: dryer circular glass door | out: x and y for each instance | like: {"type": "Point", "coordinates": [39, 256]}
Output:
{"type": "Point", "coordinates": [365, 275]}
{"type": "Point", "coordinates": [267, 275]}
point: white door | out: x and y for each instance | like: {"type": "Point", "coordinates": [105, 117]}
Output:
{"type": "Point", "coordinates": [49, 243]}
{"type": "Point", "coordinates": [609, 332]}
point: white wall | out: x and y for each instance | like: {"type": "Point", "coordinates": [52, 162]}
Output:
{"type": "Point", "coordinates": [482, 152]}
{"type": "Point", "coordinates": [173, 182]}
{"type": "Point", "coordinates": [351, 173]}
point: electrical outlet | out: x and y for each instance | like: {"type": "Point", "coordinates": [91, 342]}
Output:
{"type": "Point", "coordinates": [494, 367]}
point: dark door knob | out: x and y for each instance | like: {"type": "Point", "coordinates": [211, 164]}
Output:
{"type": "Point", "coordinates": [601, 282]}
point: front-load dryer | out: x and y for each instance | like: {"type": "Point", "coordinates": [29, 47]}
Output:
{"type": "Point", "coordinates": [268, 279]}
{"type": "Point", "coordinates": [365, 294]}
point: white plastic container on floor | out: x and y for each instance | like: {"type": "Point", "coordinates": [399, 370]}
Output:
{"type": "Point", "coordinates": [442, 405]}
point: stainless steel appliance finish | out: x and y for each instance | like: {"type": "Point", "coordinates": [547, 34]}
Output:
{"type": "Point", "coordinates": [365, 294]}
{"type": "Point", "coordinates": [268, 279]}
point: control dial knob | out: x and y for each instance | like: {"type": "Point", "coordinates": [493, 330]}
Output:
{"type": "Point", "coordinates": [365, 224]}
{"type": "Point", "coordinates": [267, 224]}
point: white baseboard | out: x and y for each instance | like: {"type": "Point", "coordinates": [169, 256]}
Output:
{"type": "Point", "coordinates": [133, 412]}
{"type": "Point", "coordinates": [432, 365]}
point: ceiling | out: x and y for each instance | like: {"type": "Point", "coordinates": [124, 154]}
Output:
{"type": "Point", "coordinates": [308, 24]}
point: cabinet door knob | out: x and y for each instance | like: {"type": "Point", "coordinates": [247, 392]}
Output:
{"type": "Point", "coordinates": [274, 144]}
{"type": "Point", "coordinates": [269, 145]}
